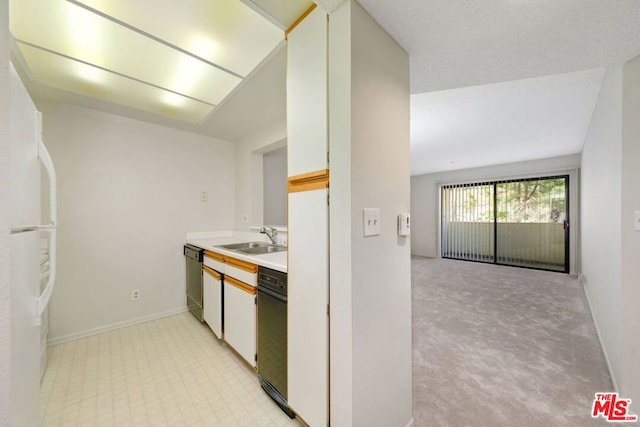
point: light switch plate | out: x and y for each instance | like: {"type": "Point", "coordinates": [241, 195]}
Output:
{"type": "Point", "coordinates": [636, 220]}
{"type": "Point", "coordinates": [371, 221]}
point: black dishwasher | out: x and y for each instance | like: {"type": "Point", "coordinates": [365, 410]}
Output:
{"type": "Point", "coordinates": [272, 335]}
{"type": "Point", "coordinates": [193, 256]}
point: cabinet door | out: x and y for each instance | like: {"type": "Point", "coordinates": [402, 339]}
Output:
{"type": "Point", "coordinates": [212, 300]}
{"type": "Point", "coordinates": [240, 318]}
{"type": "Point", "coordinates": [308, 323]}
{"type": "Point", "coordinates": [307, 95]}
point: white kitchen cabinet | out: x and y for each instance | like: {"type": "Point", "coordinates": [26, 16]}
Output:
{"type": "Point", "coordinates": [308, 264]}
{"type": "Point", "coordinates": [308, 321]}
{"type": "Point", "coordinates": [240, 318]}
{"type": "Point", "coordinates": [212, 300]}
{"type": "Point", "coordinates": [307, 95]}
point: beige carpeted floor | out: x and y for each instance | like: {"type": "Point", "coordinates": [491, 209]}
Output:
{"type": "Point", "coordinates": [502, 346]}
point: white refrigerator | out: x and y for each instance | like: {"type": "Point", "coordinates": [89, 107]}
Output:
{"type": "Point", "coordinates": [33, 248]}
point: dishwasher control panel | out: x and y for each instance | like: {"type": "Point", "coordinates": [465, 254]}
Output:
{"type": "Point", "coordinates": [273, 280]}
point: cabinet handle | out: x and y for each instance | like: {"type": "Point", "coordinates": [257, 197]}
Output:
{"type": "Point", "coordinates": [214, 256]}
{"type": "Point", "coordinates": [242, 265]}
{"type": "Point", "coordinates": [240, 285]}
{"type": "Point", "coordinates": [212, 272]}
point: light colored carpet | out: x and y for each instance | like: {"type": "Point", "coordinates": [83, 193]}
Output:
{"type": "Point", "coordinates": [502, 346]}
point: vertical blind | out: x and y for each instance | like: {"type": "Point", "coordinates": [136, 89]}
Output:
{"type": "Point", "coordinates": [467, 222]}
{"type": "Point", "coordinates": [515, 222]}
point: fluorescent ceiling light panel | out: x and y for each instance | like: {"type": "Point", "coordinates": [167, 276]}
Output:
{"type": "Point", "coordinates": [70, 30]}
{"type": "Point", "coordinates": [225, 32]}
{"type": "Point", "coordinates": [73, 76]}
{"type": "Point", "coordinates": [191, 54]}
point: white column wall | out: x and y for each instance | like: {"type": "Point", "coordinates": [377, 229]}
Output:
{"type": "Point", "coordinates": [601, 183]}
{"type": "Point", "coordinates": [370, 283]}
{"type": "Point", "coordinates": [630, 380]}
{"type": "Point", "coordinates": [340, 215]}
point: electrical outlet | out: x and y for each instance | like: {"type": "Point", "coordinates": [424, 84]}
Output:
{"type": "Point", "coordinates": [135, 295]}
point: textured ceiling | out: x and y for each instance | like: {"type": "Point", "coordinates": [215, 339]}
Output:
{"type": "Point", "coordinates": [457, 43]}
{"type": "Point", "coordinates": [503, 122]}
{"type": "Point", "coordinates": [499, 81]}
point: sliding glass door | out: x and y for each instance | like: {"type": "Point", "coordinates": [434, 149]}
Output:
{"type": "Point", "coordinates": [515, 222]}
{"type": "Point", "coordinates": [467, 222]}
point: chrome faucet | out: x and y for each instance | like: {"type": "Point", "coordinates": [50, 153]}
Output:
{"type": "Point", "coordinates": [271, 233]}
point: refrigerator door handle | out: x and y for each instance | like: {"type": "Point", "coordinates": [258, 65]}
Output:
{"type": "Point", "coordinates": [45, 158]}
{"type": "Point", "coordinates": [45, 296]}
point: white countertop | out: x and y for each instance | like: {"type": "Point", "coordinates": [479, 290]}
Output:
{"type": "Point", "coordinates": [210, 241]}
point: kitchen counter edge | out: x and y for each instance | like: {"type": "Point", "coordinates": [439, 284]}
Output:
{"type": "Point", "coordinates": [276, 261]}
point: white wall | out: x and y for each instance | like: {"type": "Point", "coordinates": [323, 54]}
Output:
{"type": "Point", "coordinates": [249, 174]}
{"type": "Point", "coordinates": [274, 175]}
{"type": "Point", "coordinates": [374, 136]}
{"type": "Point", "coordinates": [129, 191]}
{"type": "Point", "coordinates": [630, 379]}
{"type": "Point", "coordinates": [340, 217]}
{"type": "Point", "coordinates": [601, 182]}
{"type": "Point", "coordinates": [425, 197]}
{"type": "Point", "coordinates": [5, 330]}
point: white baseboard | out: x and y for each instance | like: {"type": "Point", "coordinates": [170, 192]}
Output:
{"type": "Point", "coordinates": [114, 326]}
{"type": "Point", "coordinates": [604, 349]}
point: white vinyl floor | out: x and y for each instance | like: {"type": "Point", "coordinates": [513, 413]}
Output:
{"type": "Point", "coordinates": [167, 372]}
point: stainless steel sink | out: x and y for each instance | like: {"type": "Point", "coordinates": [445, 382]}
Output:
{"type": "Point", "coordinates": [259, 250]}
{"type": "Point", "coordinates": [242, 246]}
{"type": "Point", "coordinates": [254, 248]}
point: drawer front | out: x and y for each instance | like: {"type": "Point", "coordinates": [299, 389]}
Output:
{"type": "Point", "coordinates": [214, 261]}
{"type": "Point", "coordinates": [241, 270]}
{"type": "Point", "coordinates": [241, 275]}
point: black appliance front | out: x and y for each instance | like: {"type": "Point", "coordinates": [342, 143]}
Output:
{"type": "Point", "coordinates": [194, 256]}
{"type": "Point", "coordinates": [272, 336]}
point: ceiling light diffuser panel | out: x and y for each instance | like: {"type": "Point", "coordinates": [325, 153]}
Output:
{"type": "Point", "coordinates": [225, 32]}
{"type": "Point", "coordinates": [195, 50]}
{"type": "Point", "coordinates": [73, 76]}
